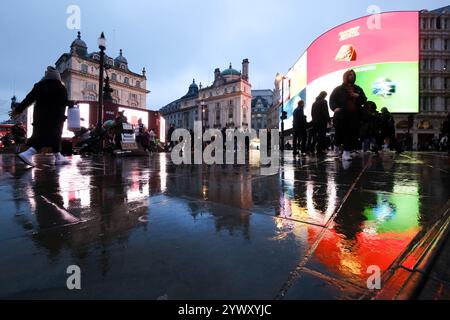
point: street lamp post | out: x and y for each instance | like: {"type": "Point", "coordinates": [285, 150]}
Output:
{"type": "Point", "coordinates": [202, 111]}
{"type": "Point", "coordinates": [283, 116]}
{"type": "Point", "coordinates": [102, 47]}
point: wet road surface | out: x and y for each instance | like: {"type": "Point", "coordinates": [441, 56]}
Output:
{"type": "Point", "coordinates": [143, 228]}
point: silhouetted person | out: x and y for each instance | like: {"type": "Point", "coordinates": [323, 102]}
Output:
{"type": "Point", "coordinates": [50, 98]}
{"type": "Point", "coordinates": [320, 120]}
{"type": "Point", "coordinates": [445, 132]}
{"type": "Point", "coordinates": [370, 127]}
{"type": "Point", "coordinates": [169, 137]}
{"type": "Point", "coordinates": [346, 101]}
{"type": "Point", "coordinates": [387, 129]}
{"type": "Point", "coordinates": [299, 128]}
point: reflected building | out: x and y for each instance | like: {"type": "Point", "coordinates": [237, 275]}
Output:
{"type": "Point", "coordinates": [76, 206]}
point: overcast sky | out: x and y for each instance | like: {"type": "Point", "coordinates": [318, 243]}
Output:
{"type": "Point", "coordinates": [176, 40]}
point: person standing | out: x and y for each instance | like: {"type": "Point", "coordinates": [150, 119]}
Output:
{"type": "Point", "coordinates": [299, 126]}
{"type": "Point", "coordinates": [445, 132]}
{"type": "Point", "coordinates": [346, 101]}
{"type": "Point", "coordinates": [387, 131]}
{"type": "Point", "coordinates": [50, 98]}
{"type": "Point", "coordinates": [169, 137]}
{"type": "Point", "coordinates": [139, 131]}
{"type": "Point", "coordinates": [320, 120]}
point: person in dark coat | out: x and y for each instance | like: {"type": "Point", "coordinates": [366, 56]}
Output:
{"type": "Point", "coordinates": [387, 130]}
{"type": "Point", "coordinates": [169, 137]}
{"type": "Point", "coordinates": [19, 135]}
{"type": "Point", "coordinates": [370, 128]}
{"type": "Point", "coordinates": [445, 132]}
{"type": "Point", "coordinates": [299, 128]}
{"type": "Point", "coordinates": [50, 98]}
{"type": "Point", "coordinates": [320, 120]}
{"type": "Point", "coordinates": [346, 101]}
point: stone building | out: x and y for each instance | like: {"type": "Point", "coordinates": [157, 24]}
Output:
{"type": "Point", "coordinates": [80, 73]}
{"type": "Point", "coordinates": [226, 103]}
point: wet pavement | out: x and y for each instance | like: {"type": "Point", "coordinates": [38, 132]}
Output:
{"type": "Point", "coordinates": [143, 228]}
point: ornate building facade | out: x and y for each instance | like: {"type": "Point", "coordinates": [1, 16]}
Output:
{"type": "Point", "coordinates": [434, 79]}
{"type": "Point", "coordinates": [261, 102]}
{"type": "Point", "coordinates": [80, 73]}
{"type": "Point", "coordinates": [224, 104]}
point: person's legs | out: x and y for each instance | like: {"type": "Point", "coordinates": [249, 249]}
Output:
{"type": "Point", "coordinates": [321, 137]}
{"type": "Point", "coordinates": [349, 135]}
{"type": "Point", "coordinates": [295, 142]}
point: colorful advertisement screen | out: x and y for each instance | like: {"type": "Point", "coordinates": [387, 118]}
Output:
{"type": "Point", "coordinates": [383, 50]}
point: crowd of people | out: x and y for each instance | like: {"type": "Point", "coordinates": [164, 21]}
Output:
{"type": "Point", "coordinates": [358, 125]}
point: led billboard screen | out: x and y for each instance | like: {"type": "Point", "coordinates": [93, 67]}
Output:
{"type": "Point", "coordinates": [385, 56]}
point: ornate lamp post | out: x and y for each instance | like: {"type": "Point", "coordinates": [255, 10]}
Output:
{"type": "Point", "coordinates": [102, 47]}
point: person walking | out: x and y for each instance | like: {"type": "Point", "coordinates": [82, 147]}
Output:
{"type": "Point", "coordinates": [299, 126]}
{"type": "Point", "coordinates": [50, 99]}
{"type": "Point", "coordinates": [320, 120]}
{"type": "Point", "coordinates": [346, 101]}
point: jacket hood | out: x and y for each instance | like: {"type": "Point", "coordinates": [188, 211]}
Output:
{"type": "Point", "coordinates": [345, 77]}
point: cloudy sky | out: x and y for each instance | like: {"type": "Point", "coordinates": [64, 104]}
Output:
{"type": "Point", "coordinates": [176, 40]}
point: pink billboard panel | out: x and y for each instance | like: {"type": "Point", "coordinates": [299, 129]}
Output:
{"type": "Point", "coordinates": [387, 37]}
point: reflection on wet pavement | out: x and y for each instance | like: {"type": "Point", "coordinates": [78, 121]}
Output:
{"type": "Point", "coordinates": [145, 228]}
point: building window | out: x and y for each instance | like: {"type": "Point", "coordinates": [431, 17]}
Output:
{"type": "Point", "coordinates": [230, 114]}
{"type": "Point", "coordinates": [90, 86]}
{"type": "Point", "coordinates": [114, 77]}
{"type": "Point", "coordinates": [226, 91]}
{"type": "Point", "coordinates": [446, 44]}
{"type": "Point", "coordinates": [133, 96]}
{"type": "Point", "coordinates": [138, 84]}
{"type": "Point", "coordinates": [126, 80]}
{"type": "Point", "coordinates": [424, 23]}
{"type": "Point", "coordinates": [84, 68]}
{"type": "Point", "coordinates": [217, 116]}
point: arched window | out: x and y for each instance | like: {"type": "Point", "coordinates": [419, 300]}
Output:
{"type": "Point", "coordinates": [114, 77]}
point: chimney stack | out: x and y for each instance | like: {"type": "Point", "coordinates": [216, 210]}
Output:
{"type": "Point", "coordinates": [245, 64]}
